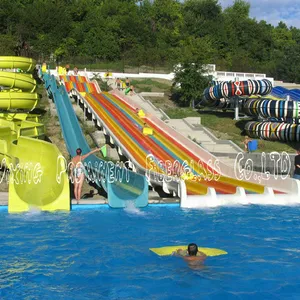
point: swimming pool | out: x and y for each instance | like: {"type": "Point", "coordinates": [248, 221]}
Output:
{"type": "Point", "coordinates": [103, 253]}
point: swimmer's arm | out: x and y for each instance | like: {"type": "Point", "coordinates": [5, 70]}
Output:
{"type": "Point", "coordinates": [91, 152]}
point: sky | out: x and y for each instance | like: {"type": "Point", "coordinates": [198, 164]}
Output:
{"type": "Point", "coordinates": [273, 11]}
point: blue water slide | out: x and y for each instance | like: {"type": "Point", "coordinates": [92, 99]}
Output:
{"type": "Point", "coordinates": [282, 92]}
{"type": "Point", "coordinates": [120, 184]}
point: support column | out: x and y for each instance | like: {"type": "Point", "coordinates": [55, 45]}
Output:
{"type": "Point", "coordinates": [236, 108]}
{"type": "Point", "coordinates": [84, 110]}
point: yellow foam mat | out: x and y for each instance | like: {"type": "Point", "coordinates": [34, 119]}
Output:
{"type": "Point", "coordinates": [163, 251]}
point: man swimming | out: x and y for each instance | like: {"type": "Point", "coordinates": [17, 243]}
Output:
{"type": "Point", "coordinates": [192, 256]}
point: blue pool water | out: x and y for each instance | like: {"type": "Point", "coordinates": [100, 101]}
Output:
{"type": "Point", "coordinates": [104, 254]}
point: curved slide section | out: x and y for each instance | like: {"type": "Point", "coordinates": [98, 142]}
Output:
{"type": "Point", "coordinates": [212, 95]}
{"type": "Point", "coordinates": [281, 110]}
{"type": "Point", "coordinates": [33, 180]}
{"type": "Point", "coordinates": [267, 108]}
{"type": "Point", "coordinates": [285, 112]}
{"type": "Point", "coordinates": [25, 82]}
{"type": "Point", "coordinates": [127, 185]}
{"type": "Point", "coordinates": [273, 131]}
{"type": "Point", "coordinates": [17, 62]}
{"type": "Point", "coordinates": [32, 163]}
{"type": "Point", "coordinates": [282, 93]}
{"type": "Point", "coordinates": [23, 98]}
{"type": "Point", "coordinates": [18, 100]}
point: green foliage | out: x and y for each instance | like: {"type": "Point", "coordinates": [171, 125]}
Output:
{"type": "Point", "coordinates": [7, 44]}
{"type": "Point", "coordinates": [148, 33]}
{"type": "Point", "coordinates": [189, 83]}
{"type": "Point", "coordinates": [103, 84]}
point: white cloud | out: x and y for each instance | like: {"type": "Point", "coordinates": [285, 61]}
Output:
{"type": "Point", "coordinates": [273, 11]}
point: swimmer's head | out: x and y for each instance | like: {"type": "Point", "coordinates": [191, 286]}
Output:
{"type": "Point", "coordinates": [78, 151]}
{"type": "Point", "coordinates": [192, 249]}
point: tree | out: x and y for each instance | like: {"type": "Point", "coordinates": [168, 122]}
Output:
{"type": "Point", "coordinates": [189, 82]}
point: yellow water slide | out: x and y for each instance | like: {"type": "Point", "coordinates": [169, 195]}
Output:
{"type": "Point", "coordinates": [37, 172]}
{"type": "Point", "coordinates": [25, 82]}
{"type": "Point", "coordinates": [18, 100]}
{"type": "Point", "coordinates": [38, 179]}
{"type": "Point", "coordinates": [17, 62]}
{"type": "Point", "coordinates": [18, 91]}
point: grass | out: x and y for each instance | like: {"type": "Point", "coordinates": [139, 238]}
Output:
{"type": "Point", "coordinates": [151, 85]}
{"type": "Point", "coordinates": [222, 125]}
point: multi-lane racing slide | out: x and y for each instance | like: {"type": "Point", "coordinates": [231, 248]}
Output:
{"type": "Point", "coordinates": [208, 181]}
{"type": "Point", "coordinates": [32, 163]}
{"type": "Point", "coordinates": [120, 184]}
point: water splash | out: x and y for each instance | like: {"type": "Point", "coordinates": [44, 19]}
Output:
{"type": "Point", "coordinates": [34, 210]}
{"type": "Point", "coordinates": [132, 209]}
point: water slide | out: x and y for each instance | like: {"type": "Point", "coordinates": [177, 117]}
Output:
{"type": "Point", "coordinates": [281, 92]}
{"type": "Point", "coordinates": [277, 190]}
{"type": "Point", "coordinates": [212, 95]}
{"type": "Point", "coordinates": [120, 121]}
{"type": "Point", "coordinates": [17, 62]}
{"type": "Point", "coordinates": [284, 115]}
{"type": "Point", "coordinates": [18, 88]}
{"type": "Point", "coordinates": [24, 82]}
{"type": "Point", "coordinates": [32, 174]}
{"type": "Point", "coordinates": [120, 184]}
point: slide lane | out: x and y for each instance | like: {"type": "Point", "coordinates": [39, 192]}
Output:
{"type": "Point", "coordinates": [177, 152]}
{"type": "Point", "coordinates": [80, 83]}
{"type": "Point", "coordinates": [157, 148]}
{"type": "Point", "coordinates": [127, 140]}
{"type": "Point", "coordinates": [132, 187]}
